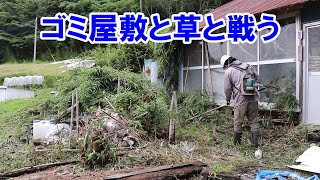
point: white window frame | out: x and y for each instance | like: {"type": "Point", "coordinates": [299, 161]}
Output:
{"type": "Point", "coordinates": [297, 16]}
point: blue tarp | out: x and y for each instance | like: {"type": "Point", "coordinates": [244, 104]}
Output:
{"type": "Point", "coordinates": [281, 175]}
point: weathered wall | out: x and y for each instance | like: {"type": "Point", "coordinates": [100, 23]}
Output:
{"type": "Point", "coordinates": [13, 93]}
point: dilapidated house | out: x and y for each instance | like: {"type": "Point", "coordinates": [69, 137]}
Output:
{"type": "Point", "coordinates": [291, 62]}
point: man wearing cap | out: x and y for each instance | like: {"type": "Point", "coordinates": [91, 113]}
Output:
{"type": "Point", "coordinates": [244, 105]}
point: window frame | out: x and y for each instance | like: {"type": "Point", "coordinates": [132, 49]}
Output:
{"type": "Point", "coordinates": [259, 62]}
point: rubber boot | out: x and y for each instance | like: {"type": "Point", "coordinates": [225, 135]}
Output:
{"type": "Point", "coordinates": [255, 139]}
{"type": "Point", "coordinates": [237, 138]}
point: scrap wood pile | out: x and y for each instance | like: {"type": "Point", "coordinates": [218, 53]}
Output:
{"type": "Point", "coordinates": [104, 134]}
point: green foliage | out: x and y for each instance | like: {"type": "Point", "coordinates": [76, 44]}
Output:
{"type": "Point", "coordinates": [124, 101]}
{"type": "Point", "coordinates": [287, 101]}
{"type": "Point", "coordinates": [50, 80]}
{"type": "Point", "coordinates": [128, 57]}
{"type": "Point", "coordinates": [168, 7]}
{"type": "Point", "coordinates": [15, 113]}
{"type": "Point", "coordinates": [17, 26]}
{"type": "Point", "coordinates": [96, 148]}
{"type": "Point", "coordinates": [96, 83]}
{"type": "Point", "coordinates": [17, 23]}
{"type": "Point", "coordinates": [170, 59]}
{"type": "Point", "coordinates": [194, 102]}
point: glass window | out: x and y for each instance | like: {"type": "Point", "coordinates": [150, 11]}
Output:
{"type": "Point", "coordinates": [284, 46]}
{"type": "Point", "coordinates": [192, 80]}
{"type": "Point", "coordinates": [314, 49]}
{"type": "Point", "coordinates": [216, 92]}
{"type": "Point", "coordinates": [193, 54]}
{"type": "Point", "coordinates": [216, 51]}
{"type": "Point", "coordinates": [244, 52]}
{"type": "Point", "coordinates": [281, 76]}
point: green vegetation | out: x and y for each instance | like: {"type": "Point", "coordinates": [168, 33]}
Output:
{"type": "Point", "coordinates": [118, 77]}
{"type": "Point", "coordinates": [288, 102]}
{"type": "Point", "coordinates": [44, 69]}
{"type": "Point", "coordinates": [123, 57]}
{"type": "Point", "coordinates": [17, 113]}
{"type": "Point", "coordinates": [31, 69]}
{"type": "Point", "coordinates": [17, 23]}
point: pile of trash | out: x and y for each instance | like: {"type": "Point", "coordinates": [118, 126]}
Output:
{"type": "Point", "coordinates": [115, 124]}
{"type": "Point", "coordinates": [97, 136]}
{"type": "Point", "coordinates": [48, 132]}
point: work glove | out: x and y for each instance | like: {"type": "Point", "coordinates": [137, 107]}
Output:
{"type": "Point", "coordinates": [228, 102]}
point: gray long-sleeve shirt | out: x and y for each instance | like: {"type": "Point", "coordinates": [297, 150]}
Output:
{"type": "Point", "coordinates": [232, 83]}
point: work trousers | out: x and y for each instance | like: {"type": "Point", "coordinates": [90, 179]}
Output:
{"type": "Point", "coordinates": [250, 110]}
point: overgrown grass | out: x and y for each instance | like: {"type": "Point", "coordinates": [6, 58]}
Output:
{"type": "Point", "coordinates": [217, 150]}
{"type": "Point", "coordinates": [15, 113]}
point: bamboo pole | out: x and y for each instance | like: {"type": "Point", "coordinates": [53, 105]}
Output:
{"type": "Point", "coordinates": [77, 112]}
{"type": "Point", "coordinates": [172, 121]}
{"type": "Point", "coordinates": [209, 69]}
{"type": "Point", "coordinates": [71, 119]}
{"type": "Point", "coordinates": [185, 81]}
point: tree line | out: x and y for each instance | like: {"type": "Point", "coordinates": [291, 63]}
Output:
{"type": "Point", "coordinates": [17, 22]}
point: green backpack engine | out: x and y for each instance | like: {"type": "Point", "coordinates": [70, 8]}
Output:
{"type": "Point", "coordinates": [248, 85]}
{"type": "Point", "coordinates": [248, 82]}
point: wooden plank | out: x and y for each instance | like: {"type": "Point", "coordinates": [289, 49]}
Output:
{"type": "Point", "coordinates": [32, 169]}
{"type": "Point", "coordinates": [172, 123]}
{"type": "Point", "coordinates": [149, 170]}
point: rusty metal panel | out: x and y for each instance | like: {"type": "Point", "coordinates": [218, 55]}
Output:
{"type": "Point", "coordinates": [250, 6]}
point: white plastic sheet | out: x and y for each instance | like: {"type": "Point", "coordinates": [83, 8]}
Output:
{"type": "Point", "coordinates": [310, 160]}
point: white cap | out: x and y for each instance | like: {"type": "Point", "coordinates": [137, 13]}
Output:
{"type": "Point", "coordinates": [224, 58]}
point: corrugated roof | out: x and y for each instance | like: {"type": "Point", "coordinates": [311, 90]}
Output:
{"type": "Point", "coordinates": [250, 6]}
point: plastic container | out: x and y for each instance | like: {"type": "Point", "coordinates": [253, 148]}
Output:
{"type": "Point", "coordinates": [40, 128]}
{"type": "Point", "coordinates": [258, 154]}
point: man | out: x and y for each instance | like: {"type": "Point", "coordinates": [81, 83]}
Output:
{"type": "Point", "coordinates": [244, 105]}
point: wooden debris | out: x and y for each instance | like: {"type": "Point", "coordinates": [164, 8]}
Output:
{"type": "Point", "coordinates": [209, 68]}
{"type": "Point", "coordinates": [314, 136]}
{"type": "Point", "coordinates": [211, 110]}
{"type": "Point", "coordinates": [172, 121]}
{"type": "Point", "coordinates": [110, 104]}
{"type": "Point", "coordinates": [65, 113]}
{"type": "Point", "coordinates": [63, 150]}
{"type": "Point", "coordinates": [30, 137]}
{"type": "Point", "coordinates": [182, 171]}
{"type": "Point", "coordinates": [32, 169]}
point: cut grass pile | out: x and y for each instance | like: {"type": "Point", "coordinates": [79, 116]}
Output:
{"type": "Point", "coordinates": [220, 153]}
